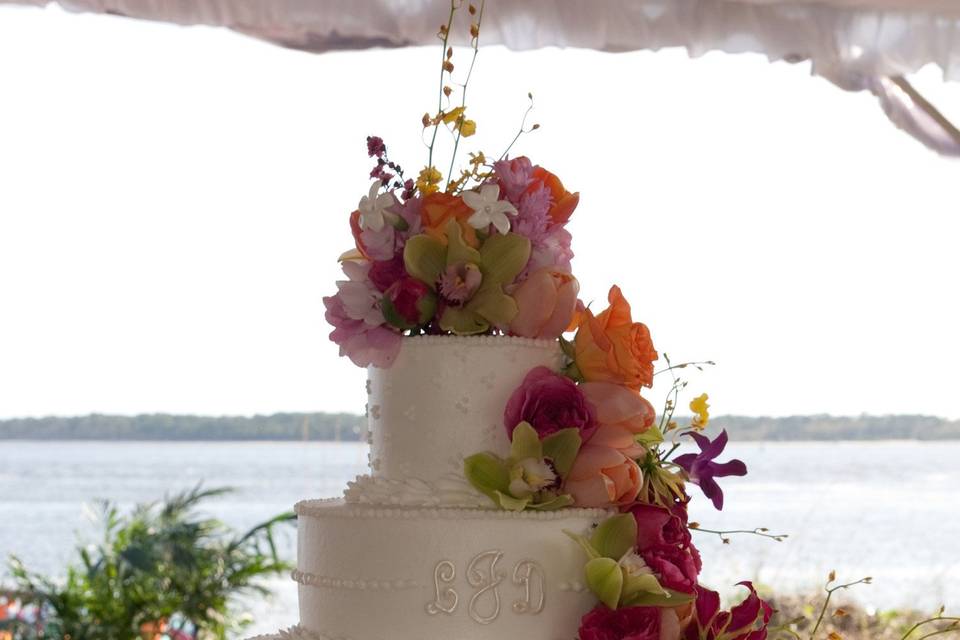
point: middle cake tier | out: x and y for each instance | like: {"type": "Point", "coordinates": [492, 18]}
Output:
{"type": "Point", "coordinates": [380, 573]}
{"type": "Point", "coordinates": [442, 400]}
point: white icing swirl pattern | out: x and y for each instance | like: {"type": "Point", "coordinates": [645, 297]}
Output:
{"type": "Point", "coordinates": [452, 490]}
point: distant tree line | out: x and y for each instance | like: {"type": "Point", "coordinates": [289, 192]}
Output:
{"type": "Point", "coordinates": [160, 426]}
{"type": "Point", "coordinates": [351, 427]}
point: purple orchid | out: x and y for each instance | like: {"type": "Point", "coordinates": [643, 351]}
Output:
{"type": "Point", "coordinates": [703, 470]}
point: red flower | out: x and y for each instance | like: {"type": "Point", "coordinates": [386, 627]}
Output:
{"type": "Point", "coordinates": [630, 623]}
{"type": "Point", "coordinates": [383, 273]}
{"type": "Point", "coordinates": [549, 402]}
{"type": "Point", "coordinates": [408, 303]}
{"type": "Point", "coordinates": [746, 621]}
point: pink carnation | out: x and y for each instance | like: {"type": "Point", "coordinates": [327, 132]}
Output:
{"type": "Point", "coordinates": [514, 177]}
{"type": "Point", "coordinates": [364, 344]}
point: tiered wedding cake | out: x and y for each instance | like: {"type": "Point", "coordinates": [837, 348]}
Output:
{"type": "Point", "coordinates": [520, 485]}
{"type": "Point", "coordinates": [414, 552]}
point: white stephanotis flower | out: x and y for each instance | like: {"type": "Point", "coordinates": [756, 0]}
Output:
{"type": "Point", "coordinates": [373, 206]}
{"type": "Point", "coordinates": [489, 209]}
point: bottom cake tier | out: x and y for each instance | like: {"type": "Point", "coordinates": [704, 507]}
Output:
{"type": "Point", "coordinates": [392, 573]}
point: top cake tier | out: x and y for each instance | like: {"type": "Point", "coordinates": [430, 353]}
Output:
{"type": "Point", "coordinates": [442, 400]}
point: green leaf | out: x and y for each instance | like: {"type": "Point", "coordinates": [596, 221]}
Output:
{"type": "Point", "coordinates": [584, 543]}
{"type": "Point", "coordinates": [510, 503]}
{"type": "Point", "coordinates": [558, 502]}
{"type": "Point", "coordinates": [458, 251]}
{"type": "Point", "coordinates": [525, 444]}
{"type": "Point", "coordinates": [652, 436]}
{"type": "Point", "coordinates": [562, 447]}
{"type": "Point", "coordinates": [645, 584]}
{"type": "Point", "coordinates": [463, 321]}
{"type": "Point", "coordinates": [488, 474]}
{"type": "Point", "coordinates": [424, 258]}
{"type": "Point", "coordinates": [615, 536]}
{"type": "Point", "coordinates": [572, 371]}
{"type": "Point", "coordinates": [504, 257]}
{"type": "Point", "coordinates": [605, 580]}
{"type": "Point", "coordinates": [671, 599]}
{"type": "Point", "coordinates": [568, 348]}
{"type": "Point", "coordinates": [492, 303]}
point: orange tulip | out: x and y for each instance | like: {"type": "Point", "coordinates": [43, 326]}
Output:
{"type": "Point", "coordinates": [621, 415]}
{"type": "Point", "coordinates": [546, 302]}
{"type": "Point", "coordinates": [611, 347]}
{"type": "Point", "coordinates": [440, 208]}
{"type": "Point", "coordinates": [564, 202]}
{"type": "Point", "coordinates": [602, 476]}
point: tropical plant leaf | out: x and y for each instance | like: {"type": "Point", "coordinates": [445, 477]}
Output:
{"type": "Point", "coordinates": [615, 536]}
{"type": "Point", "coordinates": [605, 580]}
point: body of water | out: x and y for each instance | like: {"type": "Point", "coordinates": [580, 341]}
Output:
{"type": "Point", "coordinates": [889, 510]}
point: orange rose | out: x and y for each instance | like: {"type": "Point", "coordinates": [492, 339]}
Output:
{"type": "Point", "coordinates": [602, 476]}
{"type": "Point", "coordinates": [440, 208]}
{"type": "Point", "coordinates": [611, 347]}
{"type": "Point", "coordinates": [546, 302]}
{"type": "Point", "coordinates": [564, 202]}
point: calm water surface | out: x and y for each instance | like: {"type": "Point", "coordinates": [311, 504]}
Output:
{"type": "Point", "coordinates": [887, 509]}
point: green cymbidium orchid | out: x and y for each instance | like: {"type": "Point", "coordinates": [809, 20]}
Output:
{"type": "Point", "coordinates": [616, 574]}
{"type": "Point", "coordinates": [531, 478]}
{"type": "Point", "coordinates": [500, 259]}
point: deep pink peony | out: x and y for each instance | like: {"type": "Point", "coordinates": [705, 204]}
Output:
{"type": "Point", "coordinates": [630, 623]}
{"type": "Point", "coordinates": [549, 402]}
{"type": "Point", "coordinates": [658, 526]}
{"type": "Point", "coordinates": [364, 344]}
{"type": "Point", "coordinates": [676, 567]}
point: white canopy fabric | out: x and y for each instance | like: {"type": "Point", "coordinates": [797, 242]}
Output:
{"type": "Point", "coordinates": [858, 44]}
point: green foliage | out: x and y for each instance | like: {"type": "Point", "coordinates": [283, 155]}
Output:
{"type": "Point", "coordinates": [280, 426]}
{"type": "Point", "coordinates": [163, 562]}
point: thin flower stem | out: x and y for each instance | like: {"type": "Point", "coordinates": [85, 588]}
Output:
{"type": "Point", "coordinates": [523, 124]}
{"type": "Point", "coordinates": [951, 629]}
{"type": "Point", "coordinates": [463, 103]}
{"type": "Point", "coordinates": [952, 619]}
{"type": "Point", "coordinates": [684, 365]}
{"type": "Point", "coordinates": [443, 58]}
{"type": "Point", "coordinates": [826, 603]}
{"type": "Point", "coordinates": [759, 531]}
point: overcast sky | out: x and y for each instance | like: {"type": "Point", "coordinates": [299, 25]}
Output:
{"type": "Point", "coordinates": [172, 203]}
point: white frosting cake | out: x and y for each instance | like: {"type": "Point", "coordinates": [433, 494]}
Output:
{"type": "Point", "coordinates": [413, 552]}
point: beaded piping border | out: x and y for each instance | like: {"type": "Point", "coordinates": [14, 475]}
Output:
{"type": "Point", "coordinates": [337, 508]}
{"type": "Point", "coordinates": [482, 341]}
{"type": "Point", "coordinates": [314, 580]}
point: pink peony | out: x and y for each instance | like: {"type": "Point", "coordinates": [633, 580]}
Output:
{"type": "Point", "coordinates": [676, 568]}
{"type": "Point", "coordinates": [364, 344]}
{"type": "Point", "coordinates": [658, 526]}
{"type": "Point", "coordinates": [602, 476]}
{"type": "Point", "coordinates": [546, 302]}
{"type": "Point", "coordinates": [630, 623]}
{"type": "Point", "coordinates": [549, 402]}
{"type": "Point", "coordinates": [622, 414]}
